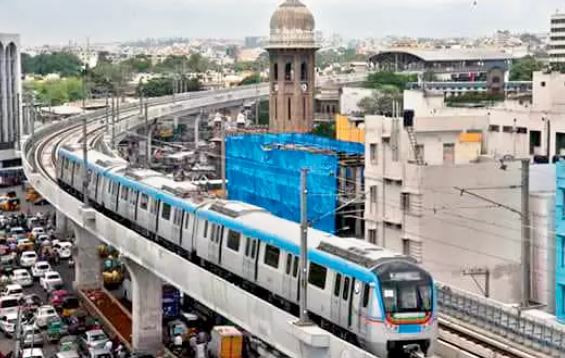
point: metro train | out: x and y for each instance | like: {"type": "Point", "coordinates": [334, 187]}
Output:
{"type": "Point", "coordinates": [378, 299]}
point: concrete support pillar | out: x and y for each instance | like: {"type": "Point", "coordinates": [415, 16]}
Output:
{"type": "Point", "coordinates": [87, 262]}
{"type": "Point", "coordinates": [61, 223]}
{"type": "Point", "coordinates": [146, 315]}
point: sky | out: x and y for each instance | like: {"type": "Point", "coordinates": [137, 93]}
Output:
{"type": "Point", "coordinates": [60, 21]}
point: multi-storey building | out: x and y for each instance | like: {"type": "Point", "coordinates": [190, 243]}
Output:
{"type": "Point", "coordinates": [557, 39]}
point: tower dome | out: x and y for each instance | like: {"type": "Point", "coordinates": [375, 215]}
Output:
{"type": "Point", "coordinates": [292, 26]}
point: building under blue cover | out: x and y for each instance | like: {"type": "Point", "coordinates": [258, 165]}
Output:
{"type": "Point", "coordinates": [264, 170]}
{"type": "Point", "coordinates": [560, 241]}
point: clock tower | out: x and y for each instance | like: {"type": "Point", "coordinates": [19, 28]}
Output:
{"type": "Point", "coordinates": [292, 53]}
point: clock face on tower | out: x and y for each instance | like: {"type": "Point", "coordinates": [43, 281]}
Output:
{"type": "Point", "coordinates": [304, 87]}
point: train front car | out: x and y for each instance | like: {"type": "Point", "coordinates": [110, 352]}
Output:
{"type": "Point", "coordinates": [407, 300]}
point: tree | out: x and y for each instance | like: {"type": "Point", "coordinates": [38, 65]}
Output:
{"type": "Point", "coordinates": [163, 86]}
{"type": "Point", "coordinates": [197, 63]}
{"type": "Point", "coordinates": [62, 63]}
{"type": "Point", "coordinates": [325, 130]}
{"type": "Point", "coordinates": [139, 63]}
{"type": "Point", "coordinates": [382, 101]}
{"type": "Point", "coordinates": [523, 69]}
{"type": "Point", "coordinates": [251, 80]}
{"type": "Point", "coordinates": [383, 78]}
{"type": "Point", "coordinates": [57, 92]}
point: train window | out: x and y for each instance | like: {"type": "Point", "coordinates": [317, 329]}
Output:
{"type": "Point", "coordinates": [366, 294]}
{"type": "Point", "coordinates": [154, 205]}
{"type": "Point", "coordinates": [66, 161]}
{"type": "Point", "coordinates": [115, 189]}
{"type": "Point", "coordinates": [166, 214]}
{"type": "Point", "coordinates": [205, 228]}
{"type": "Point", "coordinates": [219, 233]}
{"type": "Point", "coordinates": [247, 246]}
{"type": "Point", "coordinates": [143, 201]}
{"type": "Point", "coordinates": [337, 285]}
{"type": "Point", "coordinates": [288, 263]}
{"type": "Point", "coordinates": [213, 232]}
{"type": "Point", "coordinates": [186, 221]}
{"type": "Point", "coordinates": [346, 289]}
{"type": "Point", "coordinates": [295, 267]}
{"type": "Point", "coordinates": [272, 256]}
{"type": "Point", "coordinates": [317, 275]}
{"type": "Point", "coordinates": [233, 240]}
{"type": "Point", "coordinates": [253, 248]}
{"type": "Point", "coordinates": [132, 196]}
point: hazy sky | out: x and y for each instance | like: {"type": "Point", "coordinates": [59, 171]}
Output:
{"type": "Point", "coordinates": [58, 21]}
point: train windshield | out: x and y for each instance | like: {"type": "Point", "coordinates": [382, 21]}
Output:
{"type": "Point", "coordinates": [405, 287]}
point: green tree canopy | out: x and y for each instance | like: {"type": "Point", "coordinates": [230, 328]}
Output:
{"type": "Point", "coordinates": [523, 69]}
{"type": "Point", "coordinates": [251, 79]}
{"type": "Point", "coordinates": [57, 92]}
{"type": "Point", "coordinates": [383, 78]}
{"type": "Point", "coordinates": [163, 86]}
{"type": "Point", "coordinates": [382, 101]}
{"type": "Point", "coordinates": [63, 63]}
{"type": "Point", "coordinates": [181, 64]}
{"type": "Point", "coordinates": [139, 63]}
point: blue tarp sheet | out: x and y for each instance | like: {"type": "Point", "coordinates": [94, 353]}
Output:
{"type": "Point", "coordinates": [262, 173]}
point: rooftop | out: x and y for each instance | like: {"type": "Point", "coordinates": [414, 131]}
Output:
{"type": "Point", "coordinates": [444, 55]}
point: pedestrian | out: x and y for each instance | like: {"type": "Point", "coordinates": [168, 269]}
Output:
{"type": "Point", "coordinates": [109, 345]}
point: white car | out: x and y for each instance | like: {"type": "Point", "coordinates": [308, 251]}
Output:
{"type": "Point", "coordinates": [28, 259]}
{"type": "Point", "coordinates": [21, 277]}
{"type": "Point", "coordinates": [36, 231]}
{"type": "Point", "coordinates": [64, 249]}
{"type": "Point", "coordinates": [8, 324]}
{"type": "Point", "coordinates": [32, 353]}
{"type": "Point", "coordinates": [51, 281]}
{"type": "Point", "coordinates": [40, 268]}
{"type": "Point", "coordinates": [14, 289]}
{"type": "Point", "coordinates": [8, 305]}
{"type": "Point", "coordinates": [44, 315]}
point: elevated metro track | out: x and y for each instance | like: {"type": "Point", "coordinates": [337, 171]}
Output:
{"type": "Point", "coordinates": [260, 318]}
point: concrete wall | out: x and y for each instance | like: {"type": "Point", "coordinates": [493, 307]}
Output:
{"type": "Point", "coordinates": [349, 131]}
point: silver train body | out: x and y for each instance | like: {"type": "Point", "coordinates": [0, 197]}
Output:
{"type": "Point", "coordinates": [381, 300]}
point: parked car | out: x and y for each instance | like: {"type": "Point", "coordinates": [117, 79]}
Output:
{"type": "Point", "coordinates": [14, 289]}
{"type": "Point", "coordinates": [56, 297]}
{"type": "Point", "coordinates": [9, 304]}
{"type": "Point", "coordinates": [51, 281]}
{"type": "Point", "coordinates": [31, 302]}
{"type": "Point", "coordinates": [17, 232]}
{"type": "Point", "coordinates": [64, 249]}
{"type": "Point", "coordinates": [39, 269]}
{"type": "Point", "coordinates": [31, 353]}
{"type": "Point", "coordinates": [28, 258]}
{"type": "Point", "coordinates": [36, 231]}
{"type": "Point", "coordinates": [32, 336]}
{"type": "Point", "coordinates": [99, 353]}
{"type": "Point", "coordinates": [8, 324]}
{"type": "Point", "coordinates": [44, 314]}
{"type": "Point", "coordinates": [22, 277]}
{"type": "Point", "coordinates": [93, 339]}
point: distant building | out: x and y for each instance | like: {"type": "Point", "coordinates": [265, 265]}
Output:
{"type": "Point", "coordinates": [292, 51]}
{"type": "Point", "coordinates": [446, 64]}
{"type": "Point", "coordinates": [10, 108]}
{"type": "Point", "coordinates": [253, 41]}
{"type": "Point", "coordinates": [557, 39]}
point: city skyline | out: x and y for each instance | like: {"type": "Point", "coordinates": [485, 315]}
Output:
{"type": "Point", "coordinates": [59, 21]}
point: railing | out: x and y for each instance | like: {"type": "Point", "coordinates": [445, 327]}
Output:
{"type": "Point", "coordinates": [508, 322]}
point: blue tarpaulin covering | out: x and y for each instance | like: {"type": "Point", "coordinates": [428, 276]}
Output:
{"type": "Point", "coordinates": [264, 170]}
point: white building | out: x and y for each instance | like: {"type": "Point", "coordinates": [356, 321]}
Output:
{"type": "Point", "coordinates": [10, 99]}
{"type": "Point", "coordinates": [433, 189]}
{"type": "Point", "coordinates": [557, 39]}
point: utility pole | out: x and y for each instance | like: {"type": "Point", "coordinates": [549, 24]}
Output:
{"type": "Point", "coordinates": [107, 111]}
{"type": "Point", "coordinates": [85, 162]}
{"type": "Point", "coordinates": [526, 245]}
{"type": "Point", "coordinates": [32, 127]}
{"type": "Point", "coordinates": [303, 305]}
{"type": "Point", "coordinates": [223, 158]}
{"type": "Point", "coordinates": [148, 144]}
{"type": "Point", "coordinates": [113, 121]}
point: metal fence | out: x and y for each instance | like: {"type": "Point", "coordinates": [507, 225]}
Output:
{"type": "Point", "coordinates": [512, 323]}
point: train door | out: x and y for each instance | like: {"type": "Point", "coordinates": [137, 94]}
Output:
{"type": "Point", "coordinates": [176, 227]}
{"type": "Point", "coordinates": [214, 244]}
{"type": "Point", "coordinates": [287, 281]}
{"type": "Point", "coordinates": [152, 217]}
{"type": "Point", "coordinates": [364, 309]}
{"type": "Point", "coordinates": [355, 304]}
{"type": "Point", "coordinates": [336, 298]}
{"type": "Point", "coordinates": [249, 259]}
{"type": "Point", "coordinates": [344, 304]}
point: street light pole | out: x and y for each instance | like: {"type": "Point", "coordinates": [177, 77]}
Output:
{"type": "Point", "coordinates": [526, 237]}
{"type": "Point", "coordinates": [303, 303]}
{"type": "Point", "coordinates": [84, 142]}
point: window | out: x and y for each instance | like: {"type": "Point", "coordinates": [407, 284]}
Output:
{"type": "Point", "coordinates": [288, 263]}
{"type": "Point", "coordinates": [177, 218]}
{"type": "Point", "coordinates": [346, 289]}
{"type": "Point", "coordinates": [543, 83]}
{"type": "Point", "coordinates": [508, 129]}
{"type": "Point", "coordinates": [205, 228]}
{"type": "Point", "coordinates": [405, 201]}
{"type": "Point", "coordinates": [366, 295]}
{"type": "Point", "coordinates": [154, 206]}
{"type": "Point", "coordinates": [303, 72]}
{"type": "Point", "coordinates": [166, 214]}
{"type": "Point", "coordinates": [493, 128]}
{"type": "Point", "coordinates": [337, 285]}
{"type": "Point", "coordinates": [276, 71]}
{"type": "Point", "coordinates": [288, 72]}
{"type": "Point", "coordinates": [133, 196]}
{"type": "Point", "coordinates": [247, 246]}
{"type": "Point", "coordinates": [253, 248]}
{"type": "Point", "coordinates": [143, 201]}
{"type": "Point", "coordinates": [522, 130]}
{"type": "Point", "coordinates": [289, 109]}
{"type": "Point", "coordinates": [373, 236]}
{"type": "Point", "coordinates": [187, 221]}
{"type": "Point", "coordinates": [373, 153]}
{"type": "Point", "coordinates": [317, 276]}
{"type": "Point", "coordinates": [412, 248]}
{"type": "Point", "coordinates": [295, 267]}
{"type": "Point", "coordinates": [373, 198]}
{"type": "Point", "coordinates": [272, 256]}
{"type": "Point", "coordinates": [304, 108]}
{"type": "Point", "coordinates": [233, 240]}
